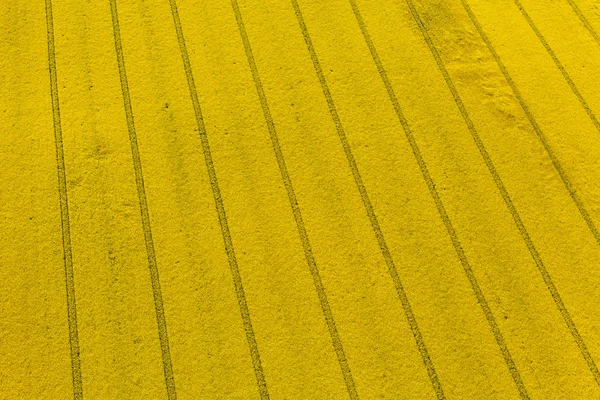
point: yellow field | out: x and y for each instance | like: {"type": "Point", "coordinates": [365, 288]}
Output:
{"type": "Point", "coordinates": [300, 199]}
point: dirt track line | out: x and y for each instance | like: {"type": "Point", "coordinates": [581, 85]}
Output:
{"type": "Point", "coordinates": [64, 212]}
{"type": "Point", "coordinates": [412, 321]}
{"type": "Point", "coordinates": [233, 265]}
{"type": "Point", "coordinates": [308, 253]}
{"type": "Point", "coordinates": [143, 202]}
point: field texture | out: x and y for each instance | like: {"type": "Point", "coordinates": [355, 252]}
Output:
{"type": "Point", "coordinates": [299, 199]}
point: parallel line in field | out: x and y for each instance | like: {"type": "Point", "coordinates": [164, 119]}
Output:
{"type": "Point", "coordinates": [308, 253]}
{"type": "Point", "coordinates": [504, 193]}
{"type": "Point", "coordinates": [145, 216]}
{"type": "Point", "coordinates": [584, 21]}
{"type": "Point", "coordinates": [220, 207]}
{"type": "Point", "coordinates": [578, 202]}
{"type": "Point", "coordinates": [561, 68]}
{"type": "Point", "coordinates": [541, 136]}
{"type": "Point", "coordinates": [412, 321]}
{"type": "Point", "coordinates": [441, 209]}
{"type": "Point", "coordinates": [64, 212]}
